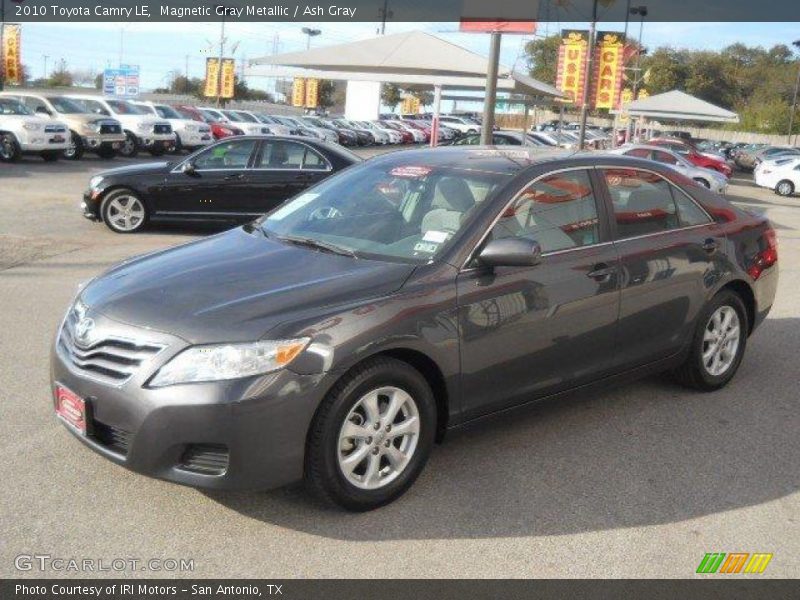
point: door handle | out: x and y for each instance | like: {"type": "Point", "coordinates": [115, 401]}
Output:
{"type": "Point", "coordinates": [710, 245]}
{"type": "Point", "coordinates": [602, 272]}
{"type": "Point", "coordinates": [236, 177]}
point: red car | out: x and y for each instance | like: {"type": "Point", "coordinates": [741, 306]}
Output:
{"type": "Point", "coordinates": [218, 130]}
{"type": "Point", "coordinates": [408, 138]}
{"type": "Point", "coordinates": [689, 151]}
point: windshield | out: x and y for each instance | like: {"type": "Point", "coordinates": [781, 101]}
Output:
{"type": "Point", "coordinates": [167, 112]}
{"type": "Point", "coordinates": [211, 115]}
{"type": "Point", "coordinates": [125, 108]}
{"type": "Point", "coordinates": [65, 106]}
{"type": "Point", "coordinates": [408, 213]}
{"type": "Point", "coordinates": [239, 116]}
{"type": "Point", "coordinates": [12, 107]}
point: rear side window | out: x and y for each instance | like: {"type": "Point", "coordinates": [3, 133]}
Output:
{"type": "Point", "coordinates": [638, 153]}
{"type": "Point", "coordinates": [664, 157]}
{"type": "Point", "coordinates": [645, 203]}
{"type": "Point", "coordinates": [290, 156]}
{"type": "Point", "coordinates": [559, 212]}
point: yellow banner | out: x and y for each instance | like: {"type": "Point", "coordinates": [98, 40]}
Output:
{"type": "Point", "coordinates": [410, 105]}
{"type": "Point", "coordinates": [228, 77]}
{"type": "Point", "coordinates": [312, 93]}
{"type": "Point", "coordinates": [609, 71]}
{"type": "Point", "coordinates": [212, 78]}
{"type": "Point", "coordinates": [299, 92]}
{"type": "Point", "coordinates": [12, 48]}
{"type": "Point", "coordinates": [572, 57]}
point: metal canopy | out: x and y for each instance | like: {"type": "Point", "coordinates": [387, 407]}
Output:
{"type": "Point", "coordinates": [678, 106]}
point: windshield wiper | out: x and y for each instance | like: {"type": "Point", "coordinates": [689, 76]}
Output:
{"type": "Point", "coordinates": [312, 243]}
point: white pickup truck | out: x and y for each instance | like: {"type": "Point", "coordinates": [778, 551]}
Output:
{"type": "Point", "coordinates": [189, 134]}
{"type": "Point", "coordinates": [142, 130]}
{"type": "Point", "coordinates": [21, 132]}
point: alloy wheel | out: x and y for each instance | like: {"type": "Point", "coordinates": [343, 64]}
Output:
{"type": "Point", "coordinates": [721, 340]}
{"type": "Point", "coordinates": [125, 213]}
{"type": "Point", "coordinates": [784, 188]}
{"type": "Point", "coordinates": [378, 438]}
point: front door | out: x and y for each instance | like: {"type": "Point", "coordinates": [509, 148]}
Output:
{"type": "Point", "coordinates": [531, 331]}
{"type": "Point", "coordinates": [220, 185]}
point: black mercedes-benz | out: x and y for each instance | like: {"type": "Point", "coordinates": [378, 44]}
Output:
{"type": "Point", "coordinates": [232, 180]}
{"type": "Point", "coordinates": [337, 337]}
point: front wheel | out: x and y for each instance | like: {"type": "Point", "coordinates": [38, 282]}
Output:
{"type": "Point", "coordinates": [372, 435]}
{"type": "Point", "coordinates": [784, 188]}
{"type": "Point", "coordinates": [718, 344]}
{"type": "Point", "coordinates": [75, 149]}
{"type": "Point", "coordinates": [130, 147]}
{"type": "Point", "coordinates": [123, 211]}
{"type": "Point", "coordinates": [9, 148]}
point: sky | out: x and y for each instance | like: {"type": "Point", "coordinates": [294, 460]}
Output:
{"type": "Point", "coordinates": [159, 48]}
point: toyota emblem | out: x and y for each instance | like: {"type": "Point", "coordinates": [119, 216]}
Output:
{"type": "Point", "coordinates": [83, 330]}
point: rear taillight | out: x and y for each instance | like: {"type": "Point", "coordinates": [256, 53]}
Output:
{"type": "Point", "coordinates": [767, 254]}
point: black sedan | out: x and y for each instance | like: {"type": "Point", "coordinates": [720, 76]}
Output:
{"type": "Point", "coordinates": [338, 337]}
{"type": "Point", "coordinates": [232, 180]}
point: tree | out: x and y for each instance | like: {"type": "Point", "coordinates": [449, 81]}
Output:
{"type": "Point", "coordinates": [542, 58]}
{"type": "Point", "coordinates": [60, 76]}
{"type": "Point", "coordinates": [327, 90]}
{"type": "Point", "coordinates": [391, 95]}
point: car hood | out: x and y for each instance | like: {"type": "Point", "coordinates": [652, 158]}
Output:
{"type": "Point", "coordinates": [235, 286]}
{"type": "Point", "coordinates": [137, 169]}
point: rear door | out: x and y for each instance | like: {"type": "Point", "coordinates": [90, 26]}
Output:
{"type": "Point", "coordinates": [284, 169]}
{"type": "Point", "coordinates": [221, 185]}
{"type": "Point", "coordinates": [531, 331]}
{"type": "Point", "coordinates": [669, 256]}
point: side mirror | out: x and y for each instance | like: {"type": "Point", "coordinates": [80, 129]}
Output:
{"type": "Point", "coordinates": [511, 252]}
{"type": "Point", "coordinates": [189, 168]}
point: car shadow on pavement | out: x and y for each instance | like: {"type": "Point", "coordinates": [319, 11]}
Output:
{"type": "Point", "coordinates": [642, 454]}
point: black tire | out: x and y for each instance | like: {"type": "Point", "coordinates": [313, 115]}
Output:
{"type": "Point", "coordinates": [130, 147]}
{"type": "Point", "coordinates": [157, 151]}
{"type": "Point", "coordinates": [179, 145]}
{"type": "Point", "coordinates": [107, 214]}
{"type": "Point", "coordinates": [693, 373]}
{"type": "Point", "coordinates": [106, 151]}
{"type": "Point", "coordinates": [784, 188]}
{"type": "Point", "coordinates": [50, 155]}
{"type": "Point", "coordinates": [322, 472]}
{"type": "Point", "coordinates": [76, 150]}
{"type": "Point", "coordinates": [9, 148]}
{"type": "Point", "coordinates": [703, 182]}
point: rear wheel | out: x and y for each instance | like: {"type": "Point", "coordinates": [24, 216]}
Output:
{"type": "Point", "coordinates": [718, 344]}
{"type": "Point", "coordinates": [75, 149]}
{"type": "Point", "coordinates": [9, 148]}
{"type": "Point", "coordinates": [123, 211]}
{"type": "Point", "coordinates": [784, 188]}
{"type": "Point", "coordinates": [372, 435]}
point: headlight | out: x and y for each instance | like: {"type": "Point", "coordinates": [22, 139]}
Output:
{"type": "Point", "coordinates": [32, 126]}
{"type": "Point", "coordinates": [144, 127]}
{"type": "Point", "coordinates": [226, 131]}
{"type": "Point", "coordinates": [91, 127]}
{"type": "Point", "coordinates": [228, 361]}
{"type": "Point", "coordinates": [95, 181]}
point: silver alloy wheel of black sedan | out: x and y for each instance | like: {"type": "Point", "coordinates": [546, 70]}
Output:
{"type": "Point", "coordinates": [721, 341]}
{"type": "Point", "coordinates": [378, 437]}
{"type": "Point", "coordinates": [124, 212]}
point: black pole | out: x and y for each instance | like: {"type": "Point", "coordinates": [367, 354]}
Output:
{"type": "Point", "coordinates": [2, 44]}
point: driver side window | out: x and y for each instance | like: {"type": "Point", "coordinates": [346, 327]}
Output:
{"type": "Point", "coordinates": [231, 155]}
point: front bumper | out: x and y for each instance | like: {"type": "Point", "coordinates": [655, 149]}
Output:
{"type": "Point", "coordinates": [94, 142]}
{"type": "Point", "coordinates": [195, 139]}
{"type": "Point", "coordinates": [156, 140]}
{"type": "Point", "coordinates": [40, 141]}
{"type": "Point", "coordinates": [258, 425]}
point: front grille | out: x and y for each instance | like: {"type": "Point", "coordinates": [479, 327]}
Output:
{"type": "Point", "coordinates": [161, 128]}
{"type": "Point", "coordinates": [206, 459]}
{"type": "Point", "coordinates": [110, 128]}
{"type": "Point", "coordinates": [205, 129]}
{"type": "Point", "coordinates": [115, 439]}
{"type": "Point", "coordinates": [110, 360]}
{"type": "Point", "coordinates": [55, 129]}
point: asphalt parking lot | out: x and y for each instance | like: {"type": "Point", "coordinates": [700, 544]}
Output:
{"type": "Point", "coordinates": [640, 481]}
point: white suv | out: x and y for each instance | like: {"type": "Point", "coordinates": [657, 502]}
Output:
{"type": "Point", "coordinates": [189, 134]}
{"type": "Point", "coordinates": [142, 130]}
{"type": "Point", "coordinates": [459, 124]}
{"type": "Point", "coordinates": [21, 132]}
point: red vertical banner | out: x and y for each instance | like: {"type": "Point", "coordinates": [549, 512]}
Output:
{"type": "Point", "coordinates": [572, 59]}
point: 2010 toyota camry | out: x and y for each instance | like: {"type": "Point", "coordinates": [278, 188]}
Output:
{"type": "Point", "coordinates": [338, 337]}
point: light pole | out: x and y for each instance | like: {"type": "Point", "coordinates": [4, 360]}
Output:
{"type": "Point", "coordinates": [796, 44]}
{"type": "Point", "coordinates": [310, 33]}
{"type": "Point", "coordinates": [637, 78]}
{"type": "Point", "coordinates": [587, 78]}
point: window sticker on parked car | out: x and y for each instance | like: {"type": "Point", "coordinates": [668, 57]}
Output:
{"type": "Point", "coordinates": [295, 205]}
{"type": "Point", "coordinates": [426, 247]}
{"type": "Point", "coordinates": [410, 171]}
{"type": "Point", "coordinates": [438, 237]}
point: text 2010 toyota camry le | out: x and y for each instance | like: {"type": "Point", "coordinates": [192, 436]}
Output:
{"type": "Point", "coordinates": [338, 337]}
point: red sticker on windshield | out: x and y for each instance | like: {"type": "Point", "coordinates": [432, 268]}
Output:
{"type": "Point", "coordinates": [410, 171]}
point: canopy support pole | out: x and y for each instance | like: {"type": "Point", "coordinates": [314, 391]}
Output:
{"type": "Point", "coordinates": [525, 125]}
{"type": "Point", "coordinates": [437, 105]}
{"type": "Point", "coordinates": [487, 127]}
